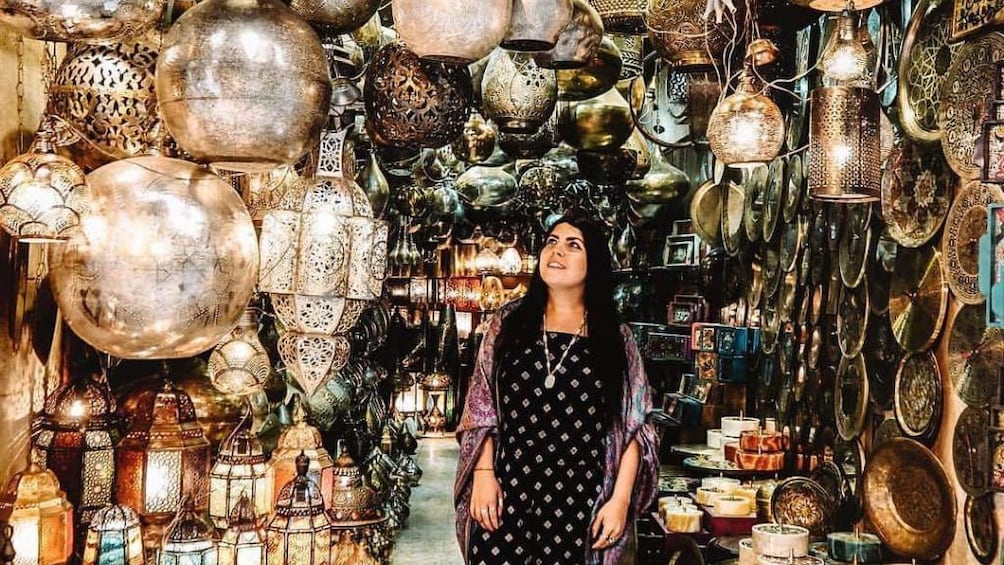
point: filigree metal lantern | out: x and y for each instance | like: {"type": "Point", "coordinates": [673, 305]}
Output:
{"type": "Point", "coordinates": [299, 532]}
{"type": "Point", "coordinates": [240, 363]}
{"type": "Point", "coordinates": [42, 195]}
{"type": "Point", "coordinates": [849, 58]}
{"type": "Point", "coordinates": [163, 458]}
{"type": "Point", "coordinates": [84, 20]}
{"type": "Point", "coordinates": [41, 516]}
{"type": "Point", "coordinates": [352, 501]}
{"type": "Point", "coordinates": [341, 16]}
{"type": "Point", "coordinates": [517, 95]}
{"type": "Point", "coordinates": [844, 152]}
{"type": "Point", "coordinates": [164, 264]}
{"type": "Point", "coordinates": [477, 142]}
{"type": "Point", "coordinates": [189, 540]}
{"type": "Point", "coordinates": [536, 24]}
{"type": "Point", "coordinates": [621, 16]}
{"type": "Point", "coordinates": [244, 541]}
{"type": "Point", "coordinates": [243, 84]}
{"type": "Point", "coordinates": [599, 75]}
{"type": "Point", "coordinates": [746, 129]}
{"type": "Point", "coordinates": [411, 103]}
{"type": "Point", "coordinates": [114, 537]}
{"type": "Point", "coordinates": [241, 469]}
{"type": "Point", "coordinates": [577, 42]}
{"type": "Point", "coordinates": [299, 438]}
{"type": "Point", "coordinates": [603, 123]}
{"type": "Point", "coordinates": [76, 438]}
{"type": "Point", "coordinates": [683, 36]}
{"type": "Point", "coordinates": [452, 31]}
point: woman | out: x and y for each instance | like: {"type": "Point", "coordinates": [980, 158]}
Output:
{"type": "Point", "coordinates": [556, 456]}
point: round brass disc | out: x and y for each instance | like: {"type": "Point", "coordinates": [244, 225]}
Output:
{"type": "Point", "coordinates": [853, 256]}
{"type": "Point", "coordinates": [755, 289]}
{"type": "Point", "coordinates": [883, 356]}
{"type": "Point", "coordinates": [799, 501]}
{"type": "Point", "coordinates": [792, 237]}
{"type": "Point", "coordinates": [796, 186]}
{"type": "Point", "coordinates": [754, 183]}
{"type": "Point", "coordinates": [981, 527]}
{"type": "Point", "coordinates": [771, 272]}
{"type": "Point", "coordinates": [706, 213]}
{"type": "Point", "coordinates": [970, 82]}
{"type": "Point", "coordinates": [923, 67]}
{"type": "Point", "coordinates": [771, 325]}
{"type": "Point", "coordinates": [971, 451]}
{"type": "Point", "coordinates": [733, 203]}
{"type": "Point", "coordinates": [851, 397]}
{"type": "Point", "coordinates": [918, 396]}
{"type": "Point", "coordinates": [852, 319]}
{"type": "Point", "coordinates": [975, 353]}
{"type": "Point", "coordinates": [773, 198]}
{"type": "Point", "coordinates": [786, 297]}
{"type": "Point", "coordinates": [818, 238]}
{"type": "Point", "coordinates": [916, 194]}
{"type": "Point", "coordinates": [960, 244]}
{"type": "Point", "coordinates": [918, 298]}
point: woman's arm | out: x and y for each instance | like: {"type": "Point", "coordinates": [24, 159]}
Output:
{"type": "Point", "coordinates": [626, 473]}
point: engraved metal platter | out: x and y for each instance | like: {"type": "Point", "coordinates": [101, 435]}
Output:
{"type": "Point", "coordinates": [796, 188]}
{"type": "Point", "coordinates": [754, 182]}
{"type": "Point", "coordinates": [981, 527]}
{"type": "Point", "coordinates": [773, 198]}
{"type": "Point", "coordinates": [733, 203]}
{"type": "Point", "coordinates": [971, 451]}
{"type": "Point", "coordinates": [850, 403]}
{"type": "Point", "coordinates": [792, 238]}
{"type": "Point", "coordinates": [852, 319]}
{"type": "Point", "coordinates": [799, 501]}
{"type": "Point", "coordinates": [918, 397]}
{"type": "Point", "coordinates": [855, 241]}
{"type": "Point", "coordinates": [970, 82]}
{"type": "Point", "coordinates": [975, 353]}
{"type": "Point", "coordinates": [706, 213]}
{"type": "Point", "coordinates": [818, 238]}
{"type": "Point", "coordinates": [882, 355]}
{"type": "Point", "coordinates": [916, 193]}
{"type": "Point", "coordinates": [755, 289]}
{"type": "Point", "coordinates": [923, 67]}
{"type": "Point", "coordinates": [960, 244]}
{"type": "Point", "coordinates": [918, 298]}
{"type": "Point", "coordinates": [771, 272]}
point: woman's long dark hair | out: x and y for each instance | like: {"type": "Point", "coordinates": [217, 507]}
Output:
{"type": "Point", "coordinates": [522, 326]}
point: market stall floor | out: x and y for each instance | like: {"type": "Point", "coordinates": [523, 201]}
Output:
{"type": "Point", "coordinates": [429, 538]}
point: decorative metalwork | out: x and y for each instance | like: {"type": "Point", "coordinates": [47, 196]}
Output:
{"type": "Point", "coordinates": [578, 41]}
{"type": "Point", "coordinates": [518, 95]}
{"type": "Point", "coordinates": [603, 123]}
{"type": "Point", "coordinates": [849, 58]}
{"type": "Point", "coordinates": [981, 527]}
{"type": "Point", "coordinates": [923, 69]}
{"type": "Point", "coordinates": [299, 438]}
{"type": "Point", "coordinates": [746, 129]}
{"type": "Point", "coordinates": [968, 86]}
{"type": "Point", "coordinates": [918, 398]}
{"type": "Point", "coordinates": [966, 223]}
{"type": "Point", "coordinates": [970, 16]}
{"type": "Point", "coordinates": [239, 364]}
{"type": "Point", "coordinates": [114, 535]}
{"type": "Point", "coordinates": [189, 540]}
{"type": "Point", "coordinates": [916, 194]}
{"type": "Point", "coordinates": [918, 298]}
{"type": "Point", "coordinates": [844, 145]}
{"type": "Point", "coordinates": [340, 16]}
{"type": "Point", "coordinates": [241, 469]}
{"type": "Point", "coordinates": [971, 451]}
{"type": "Point", "coordinates": [449, 31]}
{"type": "Point", "coordinates": [41, 517]}
{"type": "Point", "coordinates": [84, 21]}
{"type": "Point", "coordinates": [632, 49]}
{"type": "Point", "coordinates": [621, 16]}
{"type": "Point", "coordinates": [600, 74]}
{"type": "Point", "coordinates": [799, 501]}
{"type": "Point", "coordinates": [299, 532]}
{"type": "Point", "coordinates": [975, 352]}
{"type": "Point", "coordinates": [850, 402]}
{"type": "Point", "coordinates": [244, 541]}
{"type": "Point", "coordinates": [535, 25]}
{"type": "Point", "coordinates": [352, 502]}
{"type": "Point", "coordinates": [683, 36]}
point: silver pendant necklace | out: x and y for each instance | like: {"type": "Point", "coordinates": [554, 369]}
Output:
{"type": "Point", "coordinates": [549, 380]}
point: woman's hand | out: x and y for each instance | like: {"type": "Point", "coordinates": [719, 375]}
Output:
{"type": "Point", "coordinates": [609, 524]}
{"type": "Point", "coordinates": [486, 500]}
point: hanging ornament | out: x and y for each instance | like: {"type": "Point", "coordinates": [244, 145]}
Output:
{"type": "Point", "coordinates": [189, 539]}
{"type": "Point", "coordinates": [477, 142]}
{"type": "Point", "coordinates": [84, 20]}
{"type": "Point", "coordinates": [451, 31]}
{"type": "Point", "coordinates": [603, 123]}
{"type": "Point", "coordinates": [302, 438]}
{"type": "Point", "coordinates": [536, 24]}
{"type": "Point", "coordinates": [577, 42]}
{"type": "Point", "coordinates": [114, 536]}
{"type": "Point", "coordinates": [241, 470]}
{"type": "Point", "coordinates": [746, 129]}
{"type": "Point", "coordinates": [599, 75]}
{"type": "Point", "coordinates": [243, 543]}
{"type": "Point", "coordinates": [239, 364]}
{"type": "Point", "coordinates": [342, 16]}
{"type": "Point", "coordinates": [299, 533]}
{"type": "Point", "coordinates": [683, 35]}
{"type": "Point", "coordinates": [849, 58]}
{"type": "Point", "coordinates": [517, 95]}
{"type": "Point", "coordinates": [621, 16]}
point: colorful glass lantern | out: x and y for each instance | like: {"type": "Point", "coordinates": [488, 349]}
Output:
{"type": "Point", "coordinates": [244, 541]}
{"type": "Point", "coordinates": [189, 540]}
{"type": "Point", "coordinates": [114, 537]}
{"type": "Point", "coordinates": [746, 129]}
{"type": "Point", "coordinates": [163, 458]}
{"type": "Point", "coordinates": [41, 516]}
{"type": "Point", "coordinates": [300, 531]}
{"type": "Point", "coordinates": [299, 438]}
{"type": "Point", "coordinates": [240, 364]}
{"type": "Point", "coordinates": [76, 438]}
{"type": "Point", "coordinates": [241, 469]}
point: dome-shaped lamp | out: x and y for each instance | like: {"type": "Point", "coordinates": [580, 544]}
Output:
{"type": "Point", "coordinates": [849, 58]}
{"type": "Point", "coordinates": [299, 532]}
{"type": "Point", "coordinates": [299, 438]}
{"type": "Point", "coordinates": [244, 541]}
{"type": "Point", "coordinates": [452, 31]}
{"type": "Point", "coordinates": [41, 516]}
{"type": "Point", "coordinates": [517, 94]}
{"type": "Point", "coordinates": [746, 129]}
{"type": "Point", "coordinates": [114, 536]}
{"type": "Point", "coordinates": [240, 364]}
{"type": "Point", "coordinates": [241, 470]}
{"type": "Point", "coordinates": [189, 540]}
{"type": "Point", "coordinates": [352, 501]}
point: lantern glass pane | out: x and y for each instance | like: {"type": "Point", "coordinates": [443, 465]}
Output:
{"type": "Point", "coordinates": [25, 537]}
{"type": "Point", "coordinates": [99, 473]}
{"type": "Point", "coordinates": [163, 481]}
{"type": "Point", "coordinates": [112, 548]}
{"type": "Point", "coordinates": [251, 555]}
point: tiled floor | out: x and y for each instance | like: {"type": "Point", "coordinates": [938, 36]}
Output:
{"type": "Point", "coordinates": [429, 537]}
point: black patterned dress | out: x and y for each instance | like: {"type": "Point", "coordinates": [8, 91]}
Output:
{"type": "Point", "coordinates": [550, 457]}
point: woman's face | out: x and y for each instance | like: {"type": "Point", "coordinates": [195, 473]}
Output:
{"type": "Point", "coordinates": [563, 258]}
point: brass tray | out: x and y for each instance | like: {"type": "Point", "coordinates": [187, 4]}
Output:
{"type": "Point", "coordinates": [975, 353]}
{"type": "Point", "coordinates": [916, 194]}
{"type": "Point", "coordinates": [796, 188]}
{"type": "Point", "coordinates": [799, 501]}
{"type": "Point", "coordinates": [981, 527]}
{"type": "Point", "coordinates": [855, 241]}
{"type": "Point", "coordinates": [706, 213]}
{"type": "Point", "coordinates": [909, 500]}
{"type": "Point", "coordinates": [970, 82]}
{"type": "Point", "coordinates": [733, 204]}
{"type": "Point", "coordinates": [754, 182]}
{"type": "Point", "coordinates": [882, 357]}
{"type": "Point", "coordinates": [850, 401]}
{"type": "Point", "coordinates": [960, 245]}
{"type": "Point", "coordinates": [971, 451]}
{"type": "Point", "coordinates": [792, 238]}
{"type": "Point", "coordinates": [918, 298]}
{"type": "Point", "coordinates": [852, 319]}
{"type": "Point", "coordinates": [918, 399]}
{"type": "Point", "coordinates": [773, 198]}
{"type": "Point", "coordinates": [923, 68]}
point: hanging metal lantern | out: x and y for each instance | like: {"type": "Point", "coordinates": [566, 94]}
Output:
{"type": "Point", "coordinates": [632, 49]}
{"type": "Point", "coordinates": [114, 536]}
{"type": "Point", "coordinates": [536, 24]}
{"type": "Point", "coordinates": [243, 105]}
{"type": "Point", "coordinates": [516, 94]}
{"type": "Point", "coordinates": [746, 129]}
{"type": "Point", "coordinates": [303, 438]}
{"type": "Point", "coordinates": [577, 42]}
{"type": "Point", "coordinates": [241, 469]}
{"type": "Point", "coordinates": [341, 16]}
{"type": "Point", "coordinates": [621, 16]}
{"type": "Point", "coordinates": [41, 517]}
{"type": "Point", "coordinates": [411, 103]}
{"type": "Point", "coordinates": [683, 36]}
{"type": "Point", "coordinates": [477, 142]}
{"type": "Point", "coordinates": [239, 364]}
{"type": "Point", "coordinates": [452, 31]}
{"type": "Point", "coordinates": [189, 540]}
{"type": "Point", "coordinates": [164, 264]}
{"type": "Point", "coordinates": [599, 75]}
{"type": "Point", "coordinates": [352, 502]}
{"type": "Point", "coordinates": [84, 20]}
{"type": "Point", "coordinates": [603, 123]}
{"type": "Point", "coordinates": [244, 541]}
{"type": "Point", "coordinates": [299, 532]}
{"type": "Point", "coordinates": [844, 145]}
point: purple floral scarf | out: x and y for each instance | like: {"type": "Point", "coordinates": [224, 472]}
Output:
{"type": "Point", "coordinates": [480, 419]}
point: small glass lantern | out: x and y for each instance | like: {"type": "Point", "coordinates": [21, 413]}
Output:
{"type": "Point", "coordinates": [241, 469]}
{"type": "Point", "coordinates": [41, 516]}
{"type": "Point", "coordinates": [244, 541]}
{"type": "Point", "coordinates": [300, 531]}
{"type": "Point", "coordinates": [189, 540]}
{"type": "Point", "coordinates": [299, 438]}
{"type": "Point", "coordinates": [240, 364]}
{"type": "Point", "coordinates": [114, 537]}
{"type": "Point", "coordinates": [76, 438]}
{"type": "Point", "coordinates": [163, 458]}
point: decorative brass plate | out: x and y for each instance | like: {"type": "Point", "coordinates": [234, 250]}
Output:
{"type": "Point", "coordinates": [975, 354]}
{"type": "Point", "coordinates": [799, 501]}
{"type": "Point", "coordinates": [818, 237]}
{"type": "Point", "coordinates": [970, 82]}
{"type": "Point", "coordinates": [852, 319]}
{"type": "Point", "coordinates": [923, 68]}
{"type": "Point", "coordinates": [850, 455]}
{"type": "Point", "coordinates": [981, 527]}
{"type": "Point", "coordinates": [887, 430]}
{"type": "Point", "coordinates": [786, 298]}
{"type": "Point", "coordinates": [855, 239]}
{"type": "Point", "coordinates": [918, 397]}
{"type": "Point", "coordinates": [755, 289]}
{"type": "Point", "coordinates": [792, 238]}
{"type": "Point", "coordinates": [771, 326]}
{"type": "Point", "coordinates": [733, 203]}
{"type": "Point", "coordinates": [882, 355]}
{"type": "Point", "coordinates": [909, 500]}
{"type": "Point", "coordinates": [754, 182]}
{"type": "Point", "coordinates": [916, 194]}
{"type": "Point", "coordinates": [835, 5]}
{"type": "Point", "coordinates": [918, 298]}
{"type": "Point", "coordinates": [960, 245]}
{"type": "Point", "coordinates": [771, 272]}
{"type": "Point", "coordinates": [830, 476]}
{"type": "Point", "coordinates": [796, 187]}
{"type": "Point", "coordinates": [773, 198]}
{"type": "Point", "coordinates": [850, 402]}
{"type": "Point", "coordinates": [971, 451]}
{"type": "Point", "coordinates": [706, 213]}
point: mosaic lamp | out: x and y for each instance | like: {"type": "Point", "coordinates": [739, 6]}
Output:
{"type": "Point", "coordinates": [240, 364]}
{"type": "Point", "coordinates": [241, 470]}
{"type": "Point", "coordinates": [299, 438]}
{"type": "Point", "coordinates": [163, 458]}
{"type": "Point", "coordinates": [299, 532]}
{"type": "Point", "coordinates": [244, 541]}
{"type": "Point", "coordinates": [41, 516]}
{"type": "Point", "coordinates": [189, 540]}
{"type": "Point", "coordinates": [114, 537]}
{"type": "Point", "coordinates": [746, 129]}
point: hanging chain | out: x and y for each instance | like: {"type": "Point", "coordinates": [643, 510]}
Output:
{"type": "Point", "coordinates": [20, 94]}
